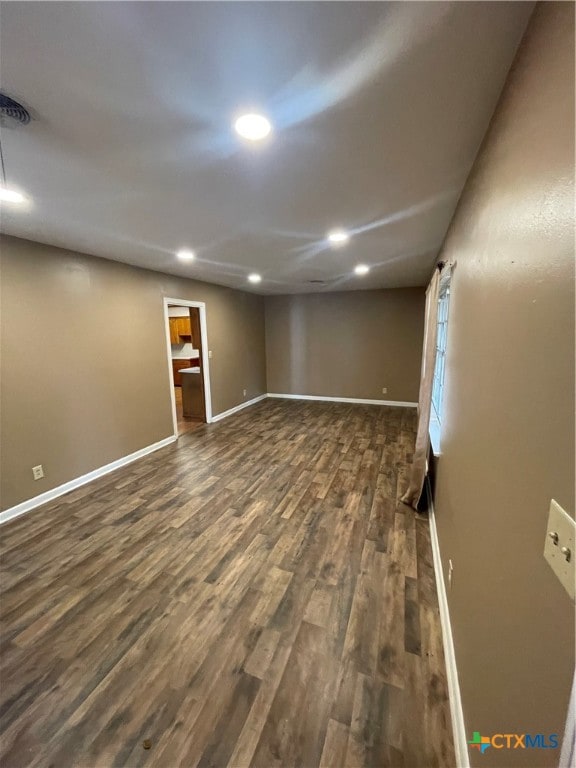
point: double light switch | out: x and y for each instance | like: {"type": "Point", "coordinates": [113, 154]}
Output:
{"type": "Point", "coordinates": [560, 547]}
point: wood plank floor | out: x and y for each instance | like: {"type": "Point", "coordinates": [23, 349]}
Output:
{"type": "Point", "coordinates": [252, 595]}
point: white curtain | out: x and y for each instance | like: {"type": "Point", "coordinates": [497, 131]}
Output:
{"type": "Point", "coordinates": [418, 472]}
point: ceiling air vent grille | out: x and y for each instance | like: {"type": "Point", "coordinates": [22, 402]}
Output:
{"type": "Point", "coordinates": [12, 110]}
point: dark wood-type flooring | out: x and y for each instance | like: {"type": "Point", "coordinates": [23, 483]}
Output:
{"type": "Point", "coordinates": [252, 595]}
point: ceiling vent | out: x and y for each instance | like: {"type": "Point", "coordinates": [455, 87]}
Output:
{"type": "Point", "coordinates": [11, 112]}
{"type": "Point", "coordinates": [317, 282]}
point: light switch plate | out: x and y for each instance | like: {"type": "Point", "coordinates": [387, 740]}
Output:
{"type": "Point", "coordinates": [561, 535]}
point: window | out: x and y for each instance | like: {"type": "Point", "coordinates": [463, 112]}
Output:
{"type": "Point", "coordinates": [438, 384]}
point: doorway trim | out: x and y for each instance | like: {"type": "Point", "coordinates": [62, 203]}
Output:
{"type": "Point", "coordinates": [205, 356]}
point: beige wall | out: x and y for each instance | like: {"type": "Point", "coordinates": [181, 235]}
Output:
{"type": "Point", "coordinates": [84, 361]}
{"type": "Point", "coordinates": [508, 441]}
{"type": "Point", "coordinates": [349, 344]}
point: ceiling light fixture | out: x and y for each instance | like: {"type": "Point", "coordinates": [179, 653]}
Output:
{"type": "Point", "coordinates": [186, 255]}
{"type": "Point", "coordinates": [254, 278]}
{"type": "Point", "coordinates": [253, 126]}
{"type": "Point", "coordinates": [10, 112]}
{"type": "Point", "coordinates": [10, 195]}
{"type": "Point", "coordinates": [338, 237]}
{"type": "Point", "coordinates": [361, 269]}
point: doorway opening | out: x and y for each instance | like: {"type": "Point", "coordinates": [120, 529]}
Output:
{"type": "Point", "coordinates": [187, 344]}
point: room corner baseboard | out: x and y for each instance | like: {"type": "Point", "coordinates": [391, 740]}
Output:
{"type": "Point", "coordinates": [230, 411]}
{"type": "Point", "coordinates": [71, 485]}
{"type": "Point", "coordinates": [361, 401]}
{"type": "Point", "coordinates": [456, 711]}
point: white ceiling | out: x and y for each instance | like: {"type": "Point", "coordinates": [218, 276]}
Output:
{"type": "Point", "coordinates": [378, 108]}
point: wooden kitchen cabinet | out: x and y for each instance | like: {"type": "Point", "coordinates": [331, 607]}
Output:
{"type": "Point", "coordinates": [193, 396]}
{"type": "Point", "coordinates": [176, 365]}
{"type": "Point", "coordinates": [180, 330]}
{"type": "Point", "coordinates": [184, 329]}
{"type": "Point", "coordinates": [174, 338]}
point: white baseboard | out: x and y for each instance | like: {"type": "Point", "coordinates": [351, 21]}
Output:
{"type": "Point", "coordinates": [361, 401]}
{"type": "Point", "coordinates": [54, 493]}
{"type": "Point", "coordinates": [230, 411]}
{"type": "Point", "coordinates": [71, 485]}
{"type": "Point", "coordinates": [456, 711]}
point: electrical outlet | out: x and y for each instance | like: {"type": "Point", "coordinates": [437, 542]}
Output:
{"type": "Point", "coordinates": [384, 390]}
{"type": "Point", "coordinates": [38, 472]}
{"type": "Point", "coordinates": [209, 353]}
{"type": "Point", "coordinates": [244, 392]}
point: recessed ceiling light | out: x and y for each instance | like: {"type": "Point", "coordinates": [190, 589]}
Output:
{"type": "Point", "coordinates": [186, 255]}
{"type": "Point", "coordinates": [10, 196]}
{"type": "Point", "coordinates": [252, 126]}
{"type": "Point", "coordinates": [338, 237]}
{"type": "Point", "coordinates": [361, 269]}
{"type": "Point", "coordinates": [254, 278]}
